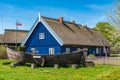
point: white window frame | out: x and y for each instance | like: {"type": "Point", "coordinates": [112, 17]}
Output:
{"type": "Point", "coordinates": [41, 35]}
{"type": "Point", "coordinates": [51, 51]}
{"type": "Point", "coordinates": [67, 50]}
{"type": "Point", "coordinates": [34, 50]}
{"type": "Point", "coordinates": [97, 50]}
{"type": "Point", "coordinates": [78, 49]}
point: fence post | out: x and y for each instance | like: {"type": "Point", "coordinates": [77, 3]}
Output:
{"type": "Point", "coordinates": [85, 54]}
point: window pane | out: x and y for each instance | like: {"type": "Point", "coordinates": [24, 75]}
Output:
{"type": "Point", "coordinates": [41, 36]}
{"type": "Point", "coordinates": [51, 51]}
{"type": "Point", "coordinates": [67, 50]}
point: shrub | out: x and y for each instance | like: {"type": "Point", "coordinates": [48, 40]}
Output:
{"type": "Point", "coordinates": [91, 55]}
{"type": "Point", "coordinates": [20, 48]}
{"type": "Point", "coordinates": [12, 47]}
{"type": "Point", "coordinates": [3, 52]}
{"type": "Point", "coordinates": [114, 55]}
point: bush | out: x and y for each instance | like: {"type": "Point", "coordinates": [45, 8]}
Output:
{"type": "Point", "coordinates": [91, 55]}
{"type": "Point", "coordinates": [3, 53]}
{"type": "Point", "coordinates": [12, 47]}
{"type": "Point", "coordinates": [114, 55]}
{"type": "Point", "coordinates": [20, 48]}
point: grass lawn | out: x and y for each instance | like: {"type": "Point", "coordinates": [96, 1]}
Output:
{"type": "Point", "coordinates": [99, 72]}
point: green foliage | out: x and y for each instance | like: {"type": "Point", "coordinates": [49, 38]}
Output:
{"type": "Point", "coordinates": [49, 73]}
{"type": "Point", "coordinates": [20, 48]}
{"type": "Point", "coordinates": [12, 47]}
{"type": "Point", "coordinates": [111, 32]}
{"type": "Point", "coordinates": [114, 18]}
{"type": "Point", "coordinates": [2, 52]}
{"type": "Point", "coordinates": [91, 55]}
{"type": "Point", "coordinates": [114, 55]}
{"type": "Point", "coordinates": [106, 29]}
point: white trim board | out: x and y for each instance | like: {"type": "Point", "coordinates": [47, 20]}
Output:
{"type": "Point", "coordinates": [40, 19]}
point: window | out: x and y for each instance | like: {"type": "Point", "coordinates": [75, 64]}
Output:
{"type": "Point", "coordinates": [67, 50]}
{"type": "Point", "coordinates": [41, 36]}
{"type": "Point", "coordinates": [97, 50]}
{"type": "Point", "coordinates": [33, 50]}
{"type": "Point", "coordinates": [78, 49]}
{"type": "Point", "coordinates": [51, 51]}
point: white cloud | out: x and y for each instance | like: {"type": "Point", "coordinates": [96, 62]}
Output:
{"type": "Point", "coordinates": [12, 13]}
{"type": "Point", "coordinates": [94, 21]}
{"type": "Point", "coordinates": [27, 17]}
{"type": "Point", "coordinates": [101, 18]}
{"type": "Point", "coordinates": [98, 7]}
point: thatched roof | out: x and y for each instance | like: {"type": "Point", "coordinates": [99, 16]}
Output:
{"type": "Point", "coordinates": [70, 33]}
{"type": "Point", "coordinates": [10, 35]}
{"type": "Point", "coordinates": [1, 38]}
{"type": "Point", "coordinates": [75, 34]}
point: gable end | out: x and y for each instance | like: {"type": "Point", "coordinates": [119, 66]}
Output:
{"type": "Point", "coordinates": [40, 19]}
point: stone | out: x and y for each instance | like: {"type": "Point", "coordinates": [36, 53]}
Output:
{"type": "Point", "coordinates": [75, 66]}
{"type": "Point", "coordinates": [56, 66]}
{"type": "Point", "coordinates": [89, 64]}
{"type": "Point", "coordinates": [33, 65]}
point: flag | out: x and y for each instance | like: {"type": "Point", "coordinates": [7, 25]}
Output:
{"type": "Point", "coordinates": [18, 24]}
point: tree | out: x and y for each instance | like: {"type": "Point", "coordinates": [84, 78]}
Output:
{"type": "Point", "coordinates": [114, 14]}
{"type": "Point", "coordinates": [114, 18]}
{"type": "Point", "coordinates": [105, 28]}
{"type": "Point", "coordinates": [111, 32]}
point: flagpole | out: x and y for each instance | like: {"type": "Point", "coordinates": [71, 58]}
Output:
{"type": "Point", "coordinates": [16, 33]}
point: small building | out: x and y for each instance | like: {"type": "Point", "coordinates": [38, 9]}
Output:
{"type": "Point", "coordinates": [1, 39]}
{"type": "Point", "coordinates": [54, 36]}
{"type": "Point", "coordinates": [11, 37]}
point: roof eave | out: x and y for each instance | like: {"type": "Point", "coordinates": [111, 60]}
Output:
{"type": "Point", "coordinates": [40, 19]}
{"type": "Point", "coordinates": [78, 45]}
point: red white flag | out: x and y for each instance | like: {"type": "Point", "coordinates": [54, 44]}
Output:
{"type": "Point", "coordinates": [18, 24]}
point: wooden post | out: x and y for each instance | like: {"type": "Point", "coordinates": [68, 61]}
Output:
{"type": "Point", "coordinates": [85, 54]}
{"type": "Point", "coordinates": [33, 65]}
{"type": "Point", "coordinates": [89, 64]}
{"type": "Point", "coordinates": [56, 66]}
{"type": "Point", "coordinates": [12, 64]}
{"type": "Point", "coordinates": [74, 66]}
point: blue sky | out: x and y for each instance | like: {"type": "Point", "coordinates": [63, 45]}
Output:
{"type": "Point", "coordinates": [84, 12]}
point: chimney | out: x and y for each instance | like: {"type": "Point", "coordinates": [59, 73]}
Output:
{"type": "Point", "coordinates": [84, 25]}
{"type": "Point", "coordinates": [60, 19]}
{"type": "Point", "coordinates": [73, 21]}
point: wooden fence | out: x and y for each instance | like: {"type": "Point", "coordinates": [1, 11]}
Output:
{"type": "Point", "coordinates": [104, 60]}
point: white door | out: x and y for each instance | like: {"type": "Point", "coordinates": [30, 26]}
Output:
{"type": "Point", "coordinates": [51, 51]}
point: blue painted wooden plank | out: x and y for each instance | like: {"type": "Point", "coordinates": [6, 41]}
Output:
{"type": "Point", "coordinates": [42, 45]}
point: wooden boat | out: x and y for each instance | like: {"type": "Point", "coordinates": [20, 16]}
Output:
{"type": "Point", "coordinates": [15, 55]}
{"type": "Point", "coordinates": [61, 59]}
{"type": "Point", "coordinates": [76, 57]}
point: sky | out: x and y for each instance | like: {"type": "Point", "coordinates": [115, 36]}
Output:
{"type": "Point", "coordinates": [84, 12]}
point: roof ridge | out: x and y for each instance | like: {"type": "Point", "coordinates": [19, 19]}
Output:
{"type": "Point", "coordinates": [15, 30]}
{"type": "Point", "coordinates": [64, 21]}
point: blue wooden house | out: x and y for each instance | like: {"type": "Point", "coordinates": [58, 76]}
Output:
{"type": "Point", "coordinates": [55, 36]}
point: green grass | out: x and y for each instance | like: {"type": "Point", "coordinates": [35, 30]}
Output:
{"type": "Point", "coordinates": [99, 72]}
